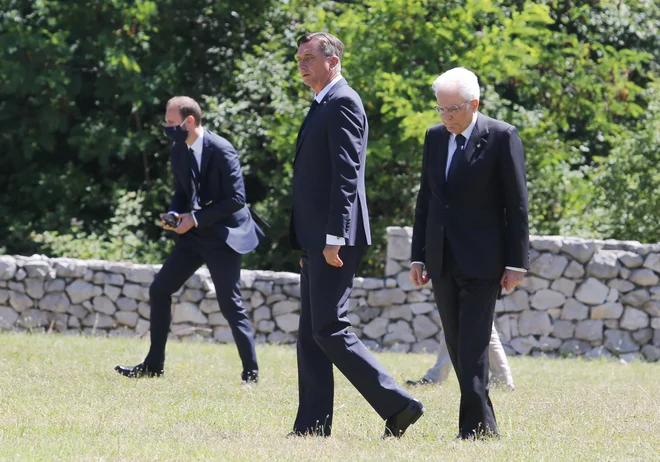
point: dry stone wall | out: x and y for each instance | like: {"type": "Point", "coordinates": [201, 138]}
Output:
{"type": "Point", "coordinates": [581, 297]}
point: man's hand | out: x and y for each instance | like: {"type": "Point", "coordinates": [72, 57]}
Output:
{"type": "Point", "coordinates": [417, 275]}
{"type": "Point", "coordinates": [511, 278]}
{"type": "Point", "coordinates": [331, 254]}
{"type": "Point", "coordinates": [186, 223]}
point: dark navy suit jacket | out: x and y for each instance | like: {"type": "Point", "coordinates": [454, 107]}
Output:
{"type": "Point", "coordinates": [329, 195]}
{"type": "Point", "coordinates": [482, 212]}
{"type": "Point", "coordinates": [222, 195]}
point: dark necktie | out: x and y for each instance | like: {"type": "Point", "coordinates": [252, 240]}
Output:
{"type": "Point", "coordinates": [456, 158]}
{"type": "Point", "coordinates": [312, 108]}
{"type": "Point", "coordinates": [194, 174]}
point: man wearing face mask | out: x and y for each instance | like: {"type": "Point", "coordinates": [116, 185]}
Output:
{"type": "Point", "coordinates": [209, 213]}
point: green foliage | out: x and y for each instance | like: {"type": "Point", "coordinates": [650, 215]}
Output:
{"type": "Point", "coordinates": [123, 240]}
{"type": "Point", "coordinates": [84, 86]}
{"type": "Point", "coordinates": [81, 103]}
{"type": "Point", "coordinates": [628, 180]}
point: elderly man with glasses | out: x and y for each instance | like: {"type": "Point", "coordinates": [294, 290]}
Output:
{"type": "Point", "coordinates": [470, 235]}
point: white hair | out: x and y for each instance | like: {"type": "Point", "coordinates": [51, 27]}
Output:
{"type": "Point", "coordinates": [459, 79]}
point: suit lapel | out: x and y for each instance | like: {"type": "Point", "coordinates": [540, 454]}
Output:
{"type": "Point", "coordinates": [304, 128]}
{"type": "Point", "coordinates": [206, 153]}
{"type": "Point", "coordinates": [182, 168]}
{"type": "Point", "coordinates": [437, 161]}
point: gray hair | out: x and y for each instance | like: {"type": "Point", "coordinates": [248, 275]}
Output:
{"type": "Point", "coordinates": [460, 79]}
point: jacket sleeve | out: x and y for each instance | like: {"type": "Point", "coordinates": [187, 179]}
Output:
{"type": "Point", "coordinates": [421, 210]}
{"type": "Point", "coordinates": [514, 183]}
{"type": "Point", "coordinates": [233, 187]}
{"type": "Point", "coordinates": [346, 129]}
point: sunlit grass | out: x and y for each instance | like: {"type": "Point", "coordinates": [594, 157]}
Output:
{"type": "Point", "coordinates": [61, 400]}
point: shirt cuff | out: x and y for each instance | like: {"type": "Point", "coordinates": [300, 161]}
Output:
{"type": "Point", "coordinates": [195, 219]}
{"type": "Point", "coordinates": [420, 262]}
{"type": "Point", "coordinates": [334, 240]}
{"type": "Point", "coordinates": [522, 270]}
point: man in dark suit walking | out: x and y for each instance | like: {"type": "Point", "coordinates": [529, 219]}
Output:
{"type": "Point", "coordinates": [209, 213]}
{"type": "Point", "coordinates": [330, 224]}
{"type": "Point", "coordinates": [470, 235]}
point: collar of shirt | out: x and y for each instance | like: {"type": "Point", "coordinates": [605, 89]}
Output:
{"type": "Point", "coordinates": [327, 88]}
{"type": "Point", "coordinates": [468, 131]}
{"type": "Point", "coordinates": [197, 147]}
{"type": "Point", "coordinates": [198, 144]}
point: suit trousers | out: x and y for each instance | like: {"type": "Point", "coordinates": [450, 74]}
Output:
{"type": "Point", "coordinates": [193, 249]}
{"type": "Point", "coordinates": [467, 308]}
{"type": "Point", "coordinates": [500, 372]}
{"type": "Point", "coordinates": [324, 339]}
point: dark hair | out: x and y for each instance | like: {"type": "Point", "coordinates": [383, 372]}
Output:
{"type": "Point", "coordinates": [329, 44]}
{"type": "Point", "coordinates": [187, 107]}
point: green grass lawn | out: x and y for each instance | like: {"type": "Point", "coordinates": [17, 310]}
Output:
{"type": "Point", "coordinates": [61, 400]}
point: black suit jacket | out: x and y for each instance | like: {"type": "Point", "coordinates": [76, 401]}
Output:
{"type": "Point", "coordinates": [329, 195]}
{"type": "Point", "coordinates": [483, 212]}
{"type": "Point", "coordinates": [222, 192]}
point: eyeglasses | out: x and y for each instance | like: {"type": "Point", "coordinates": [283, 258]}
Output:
{"type": "Point", "coordinates": [451, 109]}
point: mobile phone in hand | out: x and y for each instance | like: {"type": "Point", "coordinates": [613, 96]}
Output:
{"type": "Point", "coordinates": [171, 220]}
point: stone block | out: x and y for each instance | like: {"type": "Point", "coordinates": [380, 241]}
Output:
{"type": "Point", "coordinates": [288, 322]}
{"type": "Point", "coordinates": [534, 323]}
{"type": "Point", "coordinates": [574, 347]}
{"type": "Point", "coordinates": [620, 341]}
{"type": "Point", "coordinates": [592, 292]}
{"type": "Point", "coordinates": [563, 329]}
{"type": "Point", "coordinates": [591, 330]}
{"type": "Point", "coordinates": [424, 327]}
{"type": "Point", "coordinates": [386, 297]}
{"type": "Point", "coordinates": [565, 286]}
{"type": "Point", "coordinates": [607, 311]}
{"type": "Point", "coordinates": [634, 319]}
{"type": "Point", "coordinates": [574, 310]}
{"type": "Point", "coordinates": [549, 266]}
{"type": "Point", "coordinates": [636, 298]}
{"type": "Point", "coordinates": [545, 299]}
{"type": "Point", "coordinates": [604, 265]}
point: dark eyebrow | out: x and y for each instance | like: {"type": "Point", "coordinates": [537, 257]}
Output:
{"type": "Point", "coordinates": [309, 53]}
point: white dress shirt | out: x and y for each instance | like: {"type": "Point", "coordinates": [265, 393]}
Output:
{"type": "Point", "coordinates": [329, 239]}
{"type": "Point", "coordinates": [451, 149]}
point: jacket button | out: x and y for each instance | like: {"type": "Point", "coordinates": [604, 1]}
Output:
{"type": "Point", "coordinates": [446, 207]}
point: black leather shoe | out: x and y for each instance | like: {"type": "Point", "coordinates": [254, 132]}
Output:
{"type": "Point", "coordinates": [139, 371]}
{"type": "Point", "coordinates": [397, 425]}
{"type": "Point", "coordinates": [298, 434]}
{"type": "Point", "coordinates": [417, 383]}
{"type": "Point", "coordinates": [250, 377]}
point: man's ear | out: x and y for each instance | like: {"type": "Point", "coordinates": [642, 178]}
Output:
{"type": "Point", "coordinates": [334, 61]}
